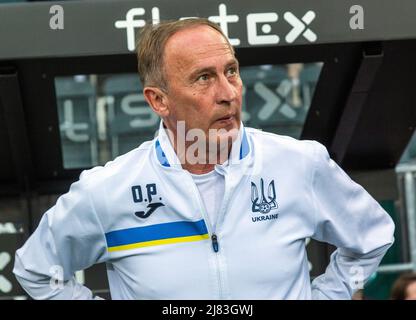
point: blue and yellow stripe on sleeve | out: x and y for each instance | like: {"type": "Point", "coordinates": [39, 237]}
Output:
{"type": "Point", "coordinates": [158, 234]}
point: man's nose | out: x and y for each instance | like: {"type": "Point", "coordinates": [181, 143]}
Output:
{"type": "Point", "coordinates": [226, 91]}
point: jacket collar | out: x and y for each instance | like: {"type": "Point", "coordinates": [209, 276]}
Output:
{"type": "Point", "coordinates": [167, 157]}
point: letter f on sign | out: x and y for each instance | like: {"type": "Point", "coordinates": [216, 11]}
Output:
{"type": "Point", "coordinates": [130, 24]}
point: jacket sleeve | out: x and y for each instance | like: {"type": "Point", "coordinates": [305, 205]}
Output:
{"type": "Point", "coordinates": [69, 238]}
{"type": "Point", "coordinates": [347, 217]}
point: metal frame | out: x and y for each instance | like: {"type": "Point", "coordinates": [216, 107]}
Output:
{"type": "Point", "coordinates": [409, 173]}
{"type": "Point", "coordinates": [356, 100]}
{"type": "Point", "coordinates": [12, 108]}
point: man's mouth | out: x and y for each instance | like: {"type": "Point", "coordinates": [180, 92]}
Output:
{"type": "Point", "coordinates": [227, 118]}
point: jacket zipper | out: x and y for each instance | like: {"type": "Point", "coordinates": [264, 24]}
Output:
{"type": "Point", "coordinates": [213, 236]}
{"type": "Point", "coordinates": [214, 240]}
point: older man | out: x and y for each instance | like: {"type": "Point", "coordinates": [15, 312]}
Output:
{"type": "Point", "coordinates": [208, 209]}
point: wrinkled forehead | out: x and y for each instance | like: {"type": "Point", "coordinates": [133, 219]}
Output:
{"type": "Point", "coordinates": [196, 44]}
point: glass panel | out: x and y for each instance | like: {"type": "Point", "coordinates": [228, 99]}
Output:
{"type": "Point", "coordinates": [103, 116]}
{"type": "Point", "coordinates": [278, 97]}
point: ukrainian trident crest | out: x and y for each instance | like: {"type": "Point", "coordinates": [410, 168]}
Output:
{"type": "Point", "coordinates": [261, 203]}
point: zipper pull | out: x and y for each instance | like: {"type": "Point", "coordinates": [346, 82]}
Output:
{"type": "Point", "coordinates": [214, 242]}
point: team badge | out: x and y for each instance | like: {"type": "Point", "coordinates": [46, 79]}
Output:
{"type": "Point", "coordinates": [262, 203]}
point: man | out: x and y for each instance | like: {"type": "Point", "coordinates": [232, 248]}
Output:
{"type": "Point", "coordinates": [174, 220]}
{"type": "Point", "coordinates": [404, 288]}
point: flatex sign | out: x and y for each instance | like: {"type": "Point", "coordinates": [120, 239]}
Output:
{"type": "Point", "coordinates": [86, 28]}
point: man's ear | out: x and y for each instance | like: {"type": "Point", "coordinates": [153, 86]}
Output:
{"type": "Point", "coordinates": [157, 100]}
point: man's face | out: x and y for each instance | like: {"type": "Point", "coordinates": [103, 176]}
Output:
{"type": "Point", "coordinates": [411, 291]}
{"type": "Point", "coordinates": [204, 87]}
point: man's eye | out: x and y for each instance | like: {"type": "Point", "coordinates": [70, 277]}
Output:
{"type": "Point", "coordinates": [232, 71]}
{"type": "Point", "coordinates": [203, 77]}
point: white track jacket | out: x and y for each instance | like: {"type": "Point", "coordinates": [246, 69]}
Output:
{"type": "Point", "coordinates": [142, 214]}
